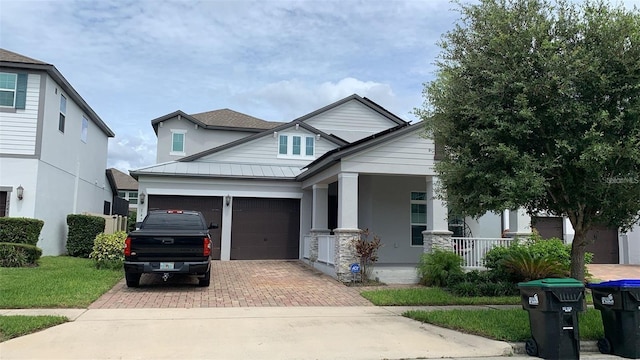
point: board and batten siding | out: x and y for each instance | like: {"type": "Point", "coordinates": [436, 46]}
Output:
{"type": "Point", "coordinates": [18, 130]}
{"type": "Point", "coordinates": [351, 121]}
{"type": "Point", "coordinates": [264, 150]}
{"type": "Point", "coordinates": [409, 154]}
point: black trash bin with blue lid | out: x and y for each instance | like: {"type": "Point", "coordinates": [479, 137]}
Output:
{"type": "Point", "coordinates": [619, 305]}
{"type": "Point", "coordinates": [553, 306]}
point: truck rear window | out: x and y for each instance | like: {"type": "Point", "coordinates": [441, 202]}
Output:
{"type": "Point", "coordinates": [177, 221]}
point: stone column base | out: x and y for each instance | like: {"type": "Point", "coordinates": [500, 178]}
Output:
{"type": "Point", "coordinates": [313, 246]}
{"type": "Point", "coordinates": [437, 239]}
{"type": "Point", "coordinates": [345, 254]}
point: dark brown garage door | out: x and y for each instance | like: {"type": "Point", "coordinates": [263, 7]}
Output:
{"type": "Point", "coordinates": [548, 227]}
{"type": "Point", "coordinates": [265, 229]}
{"type": "Point", "coordinates": [209, 206]}
{"type": "Point", "coordinates": [605, 245]}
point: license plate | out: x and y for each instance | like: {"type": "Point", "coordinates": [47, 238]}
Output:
{"type": "Point", "coordinates": [166, 266]}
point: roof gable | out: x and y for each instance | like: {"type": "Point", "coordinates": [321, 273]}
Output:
{"type": "Point", "coordinates": [223, 119]}
{"type": "Point", "coordinates": [121, 180]}
{"type": "Point", "coordinates": [364, 101]}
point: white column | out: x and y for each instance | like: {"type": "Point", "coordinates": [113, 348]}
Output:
{"type": "Point", "coordinates": [319, 217]}
{"type": "Point", "coordinates": [348, 201]}
{"type": "Point", "coordinates": [225, 233]}
{"type": "Point", "coordinates": [437, 234]}
{"type": "Point", "coordinates": [519, 223]}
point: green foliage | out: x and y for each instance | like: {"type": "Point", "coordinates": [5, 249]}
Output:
{"type": "Point", "coordinates": [131, 220]}
{"type": "Point", "coordinates": [439, 268]}
{"type": "Point", "coordinates": [367, 251]}
{"type": "Point", "coordinates": [527, 266]}
{"type": "Point", "coordinates": [536, 104]}
{"type": "Point", "coordinates": [83, 229]}
{"type": "Point", "coordinates": [19, 325]}
{"type": "Point", "coordinates": [432, 296]}
{"type": "Point", "coordinates": [19, 255]}
{"type": "Point", "coordinates": [20, 230]}
{"type": "Point", "coordinates": [108, 250]}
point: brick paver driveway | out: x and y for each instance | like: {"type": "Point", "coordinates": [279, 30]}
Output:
{"type": "Point", "coordinates": [237, 284]}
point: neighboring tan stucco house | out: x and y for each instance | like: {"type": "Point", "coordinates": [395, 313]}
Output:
{"type": "Point", "coordinates": [53, 149]}
{"type": "Point", "coordinates": [304, 189]}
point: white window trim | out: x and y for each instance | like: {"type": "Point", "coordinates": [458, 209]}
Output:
{"type": "Point", "coordinates": [411, 223]}
{"type": "Point", "coordinates": [303, 146]}
{"type": "Point", "coordinates": [184, 142]}
{"type": "Point", "coordinates": [15, 91]}
{"type": "Point", "coordinates": [84, 131]}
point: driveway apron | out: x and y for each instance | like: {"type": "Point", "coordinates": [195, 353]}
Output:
{"type": "Point", "coordinates": [237, 284]}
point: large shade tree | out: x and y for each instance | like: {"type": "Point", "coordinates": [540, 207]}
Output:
{"type": "Point", "coordinates": [536, 104]}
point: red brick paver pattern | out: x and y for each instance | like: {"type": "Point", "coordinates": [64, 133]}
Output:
{"type": "Point", "coordinates": [237, 284]}
{"type": "Point", "coordinates": [606, 272]}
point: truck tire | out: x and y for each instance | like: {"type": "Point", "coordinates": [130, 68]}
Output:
{"type": "Point", "coordinates": [205, 280]}
{"type": "Point", "coordinates": [133, 279]}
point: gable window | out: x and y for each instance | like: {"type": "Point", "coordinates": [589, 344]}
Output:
{"type": "Point", "coordinates": [63, 113]}
{"type": "Point", "coordinates": [418, 217]}
{"type": "Point", "coordinates": [133, 197]}
{"type": "Point", "coordinates": [177, 142]}
{"type": "Point", "coordinates": [84, 131]}
{"type": "Point", "coordinates": [8, 87]}
{"type": "Point", "coordinates": [295, 146]}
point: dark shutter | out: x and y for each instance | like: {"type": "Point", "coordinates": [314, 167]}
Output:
{"type": "Point", "coordinates": [21, 91]}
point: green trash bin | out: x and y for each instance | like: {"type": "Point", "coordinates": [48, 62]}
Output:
{"type": "Point", "coordinates": [619, 305]}
{"type": "Point", "coordinates": [553, 306]}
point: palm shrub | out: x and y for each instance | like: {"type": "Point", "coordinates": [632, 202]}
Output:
{"type": "Point", "coordinates": [527, 266]}
{"type": "Point", "coordinates": [439, 268]}
{"type": "Point", "coordinates": [108, 250]}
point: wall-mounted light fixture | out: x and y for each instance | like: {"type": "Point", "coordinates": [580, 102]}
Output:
{"type": "Point", "coordinates": [317, 136]}
{"type": "Point", "coordinates": [142, 197]}
{"type": "Point", "coordinates": [20, 190]}
{"type": "Point", "coordinates": [227, 200]}
{"type": "Point", "coordinates": [275, 134]}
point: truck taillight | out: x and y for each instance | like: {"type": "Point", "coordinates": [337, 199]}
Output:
{"type": "Point", "coordinates": [207, 246]}
{"type": "Point", "coordinates": [127, 247]}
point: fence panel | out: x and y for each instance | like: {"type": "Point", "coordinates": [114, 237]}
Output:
{"type": "Point", "coordinates": [473, 250]}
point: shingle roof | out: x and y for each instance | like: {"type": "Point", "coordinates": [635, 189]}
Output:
{"type": "Point", "coordinates": [10, 56]}
{"type": "Point", "coordinates": [123, 181]}
{"type": "Point", "coordinates": [230, 118]}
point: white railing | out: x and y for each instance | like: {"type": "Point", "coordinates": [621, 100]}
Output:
{"type": "Point", "coordinates": [326, 249]}
{"type": "Point", "coordinates": [306, 246]}
{"type": "Point", "coordinates": [473, 250]}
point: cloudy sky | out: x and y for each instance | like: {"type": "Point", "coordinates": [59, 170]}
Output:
{"type": "Point", "coordinates": [134, 61]}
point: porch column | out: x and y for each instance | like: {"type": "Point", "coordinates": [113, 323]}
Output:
{"type": "Point", "coordinates": [347, 231]}
{"type": "Point", "coordinates": [319, 218]}
{"type": "Point", "coordinates": [437, 235]}
{"type": "Point", "coordinates": [519, 224]}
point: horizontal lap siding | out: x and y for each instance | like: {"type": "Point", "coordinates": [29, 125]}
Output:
{"type": "Point", "coordinates": [408, 154]}
{"type": "Point", "coordinates": [18, 130]}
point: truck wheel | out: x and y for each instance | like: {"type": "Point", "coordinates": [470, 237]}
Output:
{"type": "Point", "coordinates": [205, 280]}
{"type": "Point", "coordinates": [604, 346]}
{"type": "Point", "coordinates": [133, 279]}
{"type": "Point", "coordinates": [531, 347]}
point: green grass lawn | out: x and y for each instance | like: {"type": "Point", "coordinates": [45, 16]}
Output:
{"type": "Point", "coordinates": [507, 325]}
{"type": "Point", "coordinates": [431, 296]}
{"type": "Point", "coordinates": [14, 326]}
{"type": "Point", "coordinates": [59, 282]}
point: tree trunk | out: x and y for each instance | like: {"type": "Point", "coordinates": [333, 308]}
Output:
{"type": "Point", "coordinates": [577, 256]}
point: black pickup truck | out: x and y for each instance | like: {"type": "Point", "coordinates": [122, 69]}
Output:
{"type": "Point", "coordinates": [169, 242]}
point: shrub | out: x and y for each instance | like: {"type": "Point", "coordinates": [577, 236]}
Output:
{"type": "Point", "coordinates": [439, 268]}
{"type": "Point", "coordinates": [83, 229]}
{"type": "Point", "coordinates": [465, 288]}
{"type": "Point", "coordinates": [20, 230]}
{"type": "Point", "coordinates": [108, 250]}
{"type": "Point", "coordinates": [131, 220]}
{"type": "Point", "coordinates": [18, 255]}
{"type": "Point", "coordinates": [527, 266]}
{"type": "Point", "coordinates": [367, 251]}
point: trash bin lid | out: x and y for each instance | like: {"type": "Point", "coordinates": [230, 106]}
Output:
{"type": "Point", "coordinates": [552, 282]}
{"type": "Point", "coordinates": [624, 283]}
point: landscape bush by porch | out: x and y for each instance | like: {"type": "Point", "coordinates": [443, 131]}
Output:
{"type": "Point", "coordinates": [108, 250]}
{"type": "Point", "coordinates": [19, 255]}
{"type": "Point", "coordinates": [20, 230]}
{"type": "Point", "coordinates": [83, 229]}
{"type": "Point", "coordinates": [439, 268]}
{"type": "Point", "coordinates": [367, 252]}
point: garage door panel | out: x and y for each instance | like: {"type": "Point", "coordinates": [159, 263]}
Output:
{"type": "Point", "coordinates": [265, 229]}
{"type": "Point", "coordinates": [604, 245]}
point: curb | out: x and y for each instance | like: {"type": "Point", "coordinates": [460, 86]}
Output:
{"type": "Point", "coordinates": [585, 347]}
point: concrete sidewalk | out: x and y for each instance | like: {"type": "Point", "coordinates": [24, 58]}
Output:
{"type": "Point", "coordinates": [248, 333]}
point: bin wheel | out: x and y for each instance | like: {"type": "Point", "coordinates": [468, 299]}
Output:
{"type": "Point", "coordinates": [604, 346]}
{"type": "Point", "coordinates": [531, 347]}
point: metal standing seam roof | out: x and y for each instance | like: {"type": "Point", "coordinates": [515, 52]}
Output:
{"type": "Point", "coordinates": [219, 169]}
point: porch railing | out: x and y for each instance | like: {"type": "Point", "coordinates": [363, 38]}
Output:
{"type": "Point", "coordinates": [473, 250]}
{"type": "Point", "coordinates": [326, 249]}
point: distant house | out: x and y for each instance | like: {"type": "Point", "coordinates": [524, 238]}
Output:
{"type": "Point", "coordinates": [124, 186]}
{"type": "Point", "coordinates": [303, 189]}
{"type": "Point", "coordinates": [53, 149]}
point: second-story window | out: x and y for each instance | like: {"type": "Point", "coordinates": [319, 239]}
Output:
{"type": "Point", "coordinates": [8, 89]}
{"type": "Point", "coordinates": [296, 146]}
{"type": "Point", "coordinates": [63, 113]}
{"type": "Point", "coordinates": [84, 131]}
{"type": "Point", "coordinates": [177, 142]}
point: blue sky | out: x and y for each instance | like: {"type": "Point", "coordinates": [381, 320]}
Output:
{"type": "Point", "coordinates": [134, 61]}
